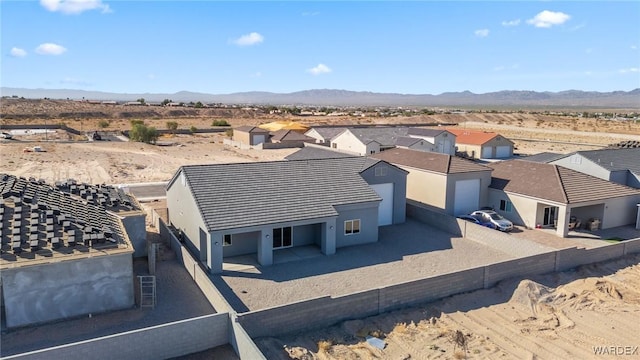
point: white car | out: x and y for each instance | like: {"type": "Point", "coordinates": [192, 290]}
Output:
{"type": "Point", "coordinates": [490, 216]}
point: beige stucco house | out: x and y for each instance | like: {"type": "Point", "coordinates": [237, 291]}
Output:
{"type": "Point", "coordinates": [250, 135]}
{"type": "Point", "coordinates": [449, 184]}
{"type": "Point", "coordinates": [532, 194]}
{"type": "Point", "coordinates": [482, 144]}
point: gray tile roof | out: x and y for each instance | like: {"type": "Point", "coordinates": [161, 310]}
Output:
{"type": "Point", "coordinates": [316, 152]}
{"type": "Point", "coordinates": [385, 136]}
{"type": "Point", "coordinates": [543, 157]}
{"type": "Point", "coordinates": [431, 161]}
{"type": "Point", "coordinates": [553, 182]}
{"type": "Point", "coordinates": [407, 141]}
{"type": "Point", "coordinates": [615, 159]}
{"type": "Point", "coordinates": [251, 129]}
{"type": "Point", "coordinates": [289, 135]}
{"type": "Point", "coordinates": [425, 132]}
{"type": "Point", "coordinates": [329, 133]}
{"type": "Point", "coordinates": [252, 194]}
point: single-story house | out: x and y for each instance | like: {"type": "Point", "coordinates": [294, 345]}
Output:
{"type": "Point", "coordinates": [482, 144]}
{"type": "Point", "coordinates": [250, 135]}
{"type": "Point", "coordinates": [323, 135]}
{"type": "Point", "coordinates": [548, 195]}
{"type": "Point", "coordinates": [365, 141]}
{"type": "Point", "coordinates": [436, 140]}
{"type": "Point", "coordinates": [448, 183]}
{"type": "Point", "coordinates": [620, 166]}
{"type": "Point", "coordinates": [224, 210]}
{"type": "Point", "coordinates": [289, 136]}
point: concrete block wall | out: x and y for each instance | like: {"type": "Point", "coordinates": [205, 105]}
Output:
{"type": "Point", "coordinates": [157, 342]}
{"type": "Point", "coordinates": [632, 246]}
{"type": "Point", "coordinates": [518, 268]}
{"type": "Point", "coordinates": [241, 341]}
{"type": "Point", "coordinates": [194, 269]}
{"type": "Point", "coordinates": [137, 232]}
{"type": "Point", "coordinates": [429, 289]}
{"type": "Point", "coordinates": [438, 220]}
{"type": "Point", "coordinates": [570, 258]}
{"type": "Point", "coordinates": [304, 315]}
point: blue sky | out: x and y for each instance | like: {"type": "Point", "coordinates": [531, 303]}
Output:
{"type": "Point", "coordinates": [418, 47]}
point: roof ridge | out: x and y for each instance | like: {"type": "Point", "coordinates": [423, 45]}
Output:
{"type": "Point", "coordinates": [564, 192]}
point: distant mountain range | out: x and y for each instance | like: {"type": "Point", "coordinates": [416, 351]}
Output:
{"type": "Point", "coordinates": [329, 97]}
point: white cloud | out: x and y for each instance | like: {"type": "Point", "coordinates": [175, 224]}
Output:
{"type": "Point", "coordinates": [17, 52]}
{"type": "Point", "coordinates": [629, 70]}
{"type": "Point", "coordinates": [74, 6]}
{"type": "Point", "coordinates": [634, 47]}
{"type": "Point", "coordinates": [50, 49]}
{"type": "Point", "coordinates": [320, 69]}
{"type": "Point", "coordinates": [547, 19]}
{"type": "Point", "coordinates": [482, 32]}
{"type": "Point", "coordinates": [249, 39]}
{"type": "Point", "coordinates": [515, 22]}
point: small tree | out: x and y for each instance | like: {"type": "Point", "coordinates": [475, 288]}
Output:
{"type": "Point", "coordinates": [172, 126]}
{"type": "Point", "coordinates": [141, 101]}
{"type": "Point", "coordinates": [199, 105]}
{"type": "Point", "coordinates": [143, 133]}
{"type": "Point", "coordinates": [165, 102]}
{"type": "Point", "coordinates": [104, 124]}
{"type": "Point", "coordinates": [220, 122]}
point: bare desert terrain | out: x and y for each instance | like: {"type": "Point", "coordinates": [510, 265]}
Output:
{"type": "Point", "coordinates": [559, 316]}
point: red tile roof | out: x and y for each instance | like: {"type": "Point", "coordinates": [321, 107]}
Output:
{"type": "Point", "coordinates": [472, 137]}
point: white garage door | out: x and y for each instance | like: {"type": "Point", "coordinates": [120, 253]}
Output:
{"type": "Point", "coordinates": [503, 151]}
{"type": "Point", "coordinates": [385, 211]}
{"type": "Point", "coordinates": [486, 152]}
{"type": "Point", "coordinates": [258, 139]}
{"type": "Point", "coordinates": [467, 196]}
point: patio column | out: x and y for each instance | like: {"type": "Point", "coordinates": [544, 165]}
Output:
{"type": "Point", "coordinates": [328, 236]}
{"type": "Point", "coordinates": [564, 214]}
{"type": "Point", "coordinates": [265, 247]}
{"type": "Point", "coordinates": [214, 255]}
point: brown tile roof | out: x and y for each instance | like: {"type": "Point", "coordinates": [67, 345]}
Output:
{"type": "Point", "coordinates": [553, 182]}
{"type": "Point", "coordinates": [251, 129]}
{"type": "Point", "coordinates": [430, 161]}
{"type": "Point", "coordinates": [471, 137]}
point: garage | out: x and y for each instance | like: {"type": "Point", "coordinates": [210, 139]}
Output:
{"type": "Point", "coordinates": [503, 151]}
{"type": "Point", "coordinates": [258, 139]}
{"type": "Point", "coordinates": [385, 210]}
{"type": "Point", "coordinates": [487, 152]}
{"type": "Point", "coordinates": [467, 196]}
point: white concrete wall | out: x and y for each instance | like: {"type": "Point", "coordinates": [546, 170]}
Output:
{"type": "Point", "coordinates": [426, 187]}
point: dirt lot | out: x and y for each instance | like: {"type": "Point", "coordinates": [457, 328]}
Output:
{"type": "Point", "coordinates": [559, 316]}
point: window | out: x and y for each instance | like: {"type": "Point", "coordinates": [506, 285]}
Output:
{"type": "Point", "coordinates": [282, 237]}
{"type": "Point", "coordinates": [505, 205]}
{"type": "Point", "coordinates": [352, 227]}
{"type": "Point", "coordinates": [227, 240]}
{"type": "Point", "coordinates": [334, 145]}
{"type": "Point", "coordinates": [381, 171]}
{"type": "Point", "coordinates": [372, 151]}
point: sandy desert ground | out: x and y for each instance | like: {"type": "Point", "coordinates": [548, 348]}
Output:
{"type": "Point", "coordinates": [591, 313]}
{"type": "Point", "coordinates": [560, 316]}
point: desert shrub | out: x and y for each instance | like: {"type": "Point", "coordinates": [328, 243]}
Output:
{"type": "Point", "coordinates": [172, 126]}
{"type": "Point", "coordinates": [229, 132]}
{"type": "Point", "coordinates": [193, 129]}
{"type": "Point", "coordinates": [324, 345]}
{"type": "Point", "coordinates": [104, 123]}
{"type": "Point", "coordinates": [143, 133]}
{"type": "Point", "coordinates": [221, 122]}
{"type": "Point", "coordinates": [136, 122]}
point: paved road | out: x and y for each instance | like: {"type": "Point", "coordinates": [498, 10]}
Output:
{"type": "Point", "coordinates": [147, 191]}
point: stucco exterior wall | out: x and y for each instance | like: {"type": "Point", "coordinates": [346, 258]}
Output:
{"type": "Point", "coordinates": [367, 213]}
{"type": "Point", "coordinates": [579, 163]}
{"type": "Point", "coordinates": [242, 136]}
{"type": "Point", "coordinates": [242, 243]}
{"type": "Point", "coordinates": [64, 289]}
{"type": "Point", "coordinates": [498, 141]}
{"type": "Point", "coordinates": [399, 179]}
{"type": "Point", "coordinates": [350, 143]}
{"type": "Point", "coordinates": [620, 211]}
{"type": "Point", "coordinates": [426, 187]}
{"type": "Point", "coordinates": [472, 151]}
{"type": "Point", "coordinates": [524, 210]}
{"type": "Point", "coordinates": [185, 216]}
{"type": "Point", "coordinates": [422, 145]}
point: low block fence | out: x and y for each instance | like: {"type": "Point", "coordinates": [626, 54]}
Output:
{"type": "Point", "coordinates": [157, 342]}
